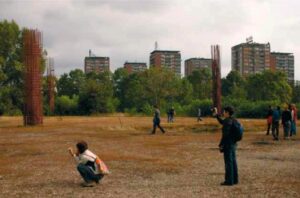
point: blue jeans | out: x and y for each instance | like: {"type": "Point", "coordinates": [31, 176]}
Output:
{"type": "Point", "coordinates": [88, 175]}
{"type": "Point", "coordinates": [231, 169]}
{"type": "Point", "coordinates": [293, 128]}
{"type": "Point", "coordinates": [287, 128]}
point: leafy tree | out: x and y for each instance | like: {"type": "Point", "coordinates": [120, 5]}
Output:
{"type": "Point", "coordinates": [234, 85]}
{"type": "Point", "coordinates": [96, 94]}
{"type": "Point", "coordinates": [201, 81]}
{"type": "Point", "coordinates": [269, 85]}
{"type": "Point", "coordinates": [69, 84]}
{"type": "Point", "coordinates": [296, 94]}
{"type": "Point", "coordinates": [66, 105]}
{"type": "Point", "coordinates": [11, 67]}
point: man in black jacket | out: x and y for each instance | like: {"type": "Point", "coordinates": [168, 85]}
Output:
{"type": "Point", "coordinates": [228, 147]}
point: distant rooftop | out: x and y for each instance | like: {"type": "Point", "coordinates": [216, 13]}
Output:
{"type": "Point", "coordinates": [165, 51]}
{"type": "Point", "coordinates": [134, 63]}
{"type": "Point", "coordinates": [282, 53]}
{"type": "Point", "coordinates": [251, 43]}
{"type": "Point", "coordinates": [96, 57]}
{"type": "Point", "coordinates": [195, 58]}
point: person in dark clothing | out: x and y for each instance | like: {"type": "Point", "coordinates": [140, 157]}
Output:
{"type": "Point", "coordinates": [227, 146]}
{"type": "Point", "coordinates": [172, 114]}
{"type": "Point", "coordinates": [286, 120]}
{"type": "Point", "coordinates": [199, 114]}
{"type": "Point", "coordinates": [156, 121]}
{"type": "Point", "coordinates": [269, 119]}
{"type": "Point", "coordinates": [275, 123]}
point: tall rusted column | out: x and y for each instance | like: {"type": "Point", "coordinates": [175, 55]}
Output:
{"type": "Point", "coordinates": [216, 76]}
{"type": "Point", "coordinates": [51, 83]}
{"type": "Point", "coordinates": [33, 112]}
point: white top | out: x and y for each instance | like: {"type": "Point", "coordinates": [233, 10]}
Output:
{"type": "Point", "coordinates": [293, 115]}
{"type": "Point", "coordinates": [86, 156]}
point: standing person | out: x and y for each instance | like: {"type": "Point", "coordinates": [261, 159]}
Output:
{"type": "Point", "coordinates": [275, 123]}
{"type": "Point", "coordinates": [228, 147]}
{"type": "Point", "coordinates": [172, 114]}
{"type": "Point", "coordinates": [156, 120]}
{"type": "Point", "coordinates": [269, 119]}
{"type": "Point", "coordinates": [91, 168]}
{"type": "Point", "coordinates": [294, 119]}
{"type": "Point", "coordinates": [169, 115]}
{"type": "Point", "coordinates": [286, 120]}
{"type": "Point", "coordinates": [199, 114]}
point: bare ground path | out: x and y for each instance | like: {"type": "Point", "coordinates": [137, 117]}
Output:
{"type": "Point", "coordinates": [185, 162]}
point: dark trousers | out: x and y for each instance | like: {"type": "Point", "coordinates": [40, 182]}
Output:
{"type": "Point", "coordinates": [269, 127]}
{"type": "Point", "coordinates": [231, 169]}
{"type": "Point", "coordinates": [275, 129]}
{"type": "Point", "coordinates": [155, 125]}
{"type": "Point", "coordinates": [88, 175]}
{"type": "Point", "coordinates": [199, 118]}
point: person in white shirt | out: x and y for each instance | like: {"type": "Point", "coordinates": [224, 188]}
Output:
{"type": "Point", "coordinates": [91, 168]}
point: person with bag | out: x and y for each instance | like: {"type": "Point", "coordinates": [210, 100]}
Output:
{"type": "Point", "coordinates": [91, 168]}
{"type": "Point", "coordinates": [231, 133]}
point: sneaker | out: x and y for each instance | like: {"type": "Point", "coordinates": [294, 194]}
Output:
{"type": "Point", "coordinates": [88, 184]}
{"type": "Point", "coordinates": [226, 184]}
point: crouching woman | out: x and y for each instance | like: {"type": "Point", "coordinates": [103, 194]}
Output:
{"type": "Point", "coordinates": [91, 168]}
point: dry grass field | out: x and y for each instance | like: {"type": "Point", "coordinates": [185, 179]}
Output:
{"type": "Point", "coordinates": [184, 162]}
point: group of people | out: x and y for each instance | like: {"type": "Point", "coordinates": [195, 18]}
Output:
{"type": "Point", "coordinates": [92, 169]}
{"type": "Point", "coordinates": [287, 118]}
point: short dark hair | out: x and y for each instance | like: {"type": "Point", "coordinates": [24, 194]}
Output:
{"type": "Point", "coordinates": [82, 146]}
{"type": "Point", "coordinates": [229, 109]}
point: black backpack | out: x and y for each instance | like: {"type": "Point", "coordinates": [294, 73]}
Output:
{"type": "Point", "coordinates": [237, 130]}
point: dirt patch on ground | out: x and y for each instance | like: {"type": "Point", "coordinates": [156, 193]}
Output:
{"type": "Point", "coordinates": [184, 162]}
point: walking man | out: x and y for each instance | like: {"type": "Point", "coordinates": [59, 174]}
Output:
{"type": "Point", "coordinates": [227, 146]}
{"type": "Point", "coordinates": [156, 120]}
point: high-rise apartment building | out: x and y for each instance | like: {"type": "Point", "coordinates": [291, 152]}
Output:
{"type": "Point", "coordinates": [96, 64]}
{"type": "Point", "coordinates": [193, 64]}
{"type": "Point", "coordinates": [135, 67]}
{"type": "Point", "coordinates": [250, 58]}
{"type": "Point", "coordinates": [283, 62]}
{"type": "Point", "coordinates": [166, 59]}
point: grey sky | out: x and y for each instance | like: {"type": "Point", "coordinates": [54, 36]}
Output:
{"type": "Point", "coordinates": [127, 30]}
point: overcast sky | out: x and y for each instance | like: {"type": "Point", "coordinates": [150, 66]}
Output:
{"type": "Point", "coordinates": [127, 30]}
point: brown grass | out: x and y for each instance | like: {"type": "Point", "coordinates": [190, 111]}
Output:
{"type": "Point", "coordinates": [185, 162]}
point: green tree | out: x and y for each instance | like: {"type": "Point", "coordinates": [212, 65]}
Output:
{"type": "Point", "coordinates": [96, 94]}
{"type": "Point", "coordinates": [269, 85]}
{"type": "Point", "coordinates": [234, 85]}
{"type": "Point", "coordinates": [296, 94]}
{"type": "Point", "coordinates": [201, 81]}
{"type": "Point", "coordinates": [69, 84]}
{"type": "Point", "coordinates": [11, 67]}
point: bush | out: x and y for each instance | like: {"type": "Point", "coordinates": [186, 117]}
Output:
{"type": "Point", "coordinates": [66, 105]}
{"type": "Point", "coordinates": [250, 109]}
{"type": "Point", "coordinates": [192, 109]}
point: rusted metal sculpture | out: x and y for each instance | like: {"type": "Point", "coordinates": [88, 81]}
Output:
{"type": "Point", "coordinates": [216, 76]}
{"type": "Point", "coordinates": [50, 83]}
{"type": "Point", "coordinates": [33, 110]}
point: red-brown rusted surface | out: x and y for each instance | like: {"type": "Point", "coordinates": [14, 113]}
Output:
{"type": "Point", "coordinates": [51, 84]}
{"type": "Point", "coordinates": [216, 76]}
{"type": "Point", "coordinates": [33, 112]}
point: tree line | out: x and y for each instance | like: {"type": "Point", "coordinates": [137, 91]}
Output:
{"type": "Point", "coordinates": [78, 93]}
